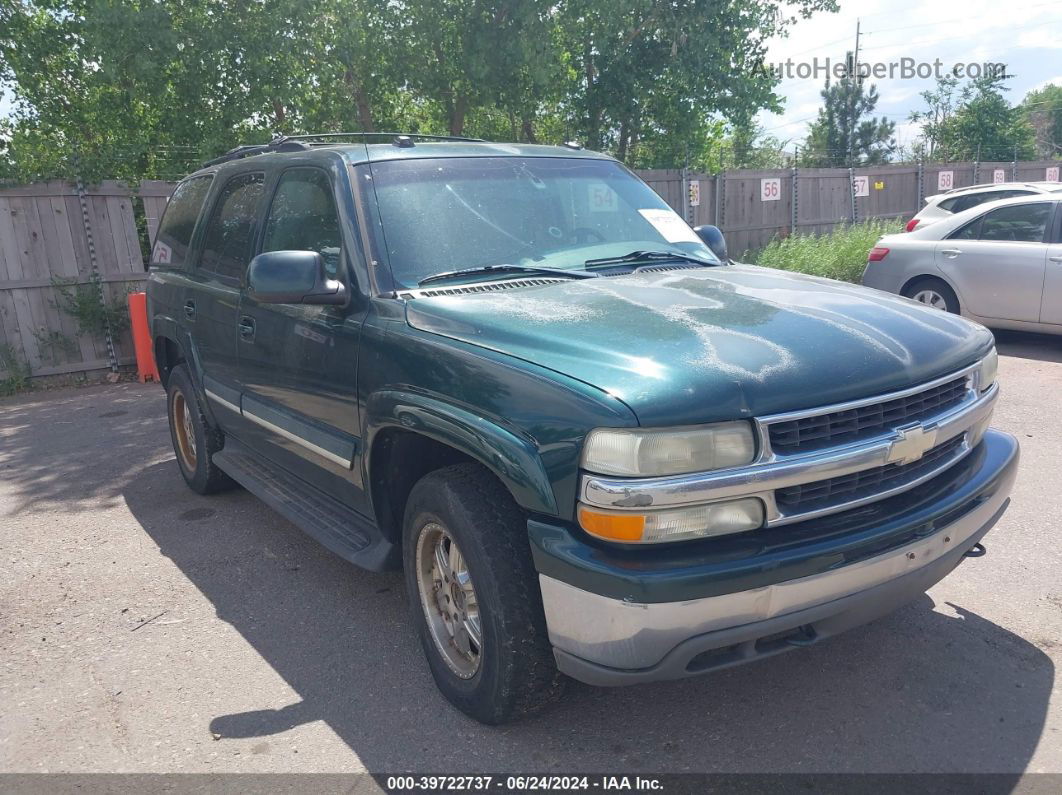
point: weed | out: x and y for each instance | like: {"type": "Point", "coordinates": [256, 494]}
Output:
{"type": "Point", "coordinates": [840, 254]}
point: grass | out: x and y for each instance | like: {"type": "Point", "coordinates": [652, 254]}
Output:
{"type": "Point", "coordinates": [840, 254]}
{"type": "Point", "coordinates": [14, 373]}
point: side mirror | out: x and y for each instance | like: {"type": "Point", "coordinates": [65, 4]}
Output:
{"type": "Point", "coordinates": [293, 277]}
{"type": "Point", "coordinates": [714, 239]}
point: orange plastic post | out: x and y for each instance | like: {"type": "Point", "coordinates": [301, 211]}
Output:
{"type": "Point", "coordinates": [138, 322]}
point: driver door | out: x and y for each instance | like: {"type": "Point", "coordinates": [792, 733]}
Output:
{"type": "Point", "coordinates": [298, 363]}
{"type": "Point", "coordinates": [997, 261]}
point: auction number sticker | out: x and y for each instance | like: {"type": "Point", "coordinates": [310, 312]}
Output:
{"type": "Point", "coordinates": [770, 189]}
{"type": "Point", "coordinates": [602, 198]}
{"type": "Point", "coordinates": [945, 180]}
{"type": "Point", "coordinates": [670, 225]}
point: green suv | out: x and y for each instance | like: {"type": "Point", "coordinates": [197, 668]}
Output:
{"type": "Point", "coordinates": [596, 446]}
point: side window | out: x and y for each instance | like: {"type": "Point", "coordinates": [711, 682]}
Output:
{"type": "Point", "coordinates": [968, 201]}
{"type": "Point", "coordinates": [229, 237]}
{"type": "Point", "coordinates": [178, 222]}
{"type": "Point", "coordinates": [303, 217]}
{"type": "Point", "coordinates": [1021, 223]}
{"type": "Point", "coordinates": [969, 232]}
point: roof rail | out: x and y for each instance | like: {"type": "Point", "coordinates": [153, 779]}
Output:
{"type": "Point", "coordinates": [394, 136]}
{"type": "Point", "coordinates": [985, 185]}
{"type": "Point", "coordinates": [281, 143]}
{"type": "Point", "coordinates": [300, 143]}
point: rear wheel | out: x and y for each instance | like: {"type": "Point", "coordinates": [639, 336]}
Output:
{"type": "Point", "coordinates": [194, 440]}
{"type": "Point", "coordinates": [933, 293]}
{"type": "Point", "coordinates": [475, 597]}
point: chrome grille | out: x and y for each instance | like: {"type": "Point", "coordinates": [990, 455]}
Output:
{"type": "Point", "coordinates": [808, 434]}
{"type": "Point", "coordinates": [857, 485]}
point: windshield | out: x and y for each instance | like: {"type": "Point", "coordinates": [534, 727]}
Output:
{"type": "Point", "coordinates": [446, 214]}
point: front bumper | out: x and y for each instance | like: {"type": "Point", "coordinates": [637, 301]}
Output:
{"type": "Point", "coordinates": [609, 626]}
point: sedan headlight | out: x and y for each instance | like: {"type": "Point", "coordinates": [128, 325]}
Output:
{"type": "Point", "coordinates": [986, 373]}
{"type": "Point", "coordinates": [672, 451]}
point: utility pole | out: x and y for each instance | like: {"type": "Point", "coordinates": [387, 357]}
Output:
{"type": "Point", "coordinates": [856, 83]}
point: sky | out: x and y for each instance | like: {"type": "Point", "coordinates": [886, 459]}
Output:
{"type": "Point", "coordinates": [1026, 35]}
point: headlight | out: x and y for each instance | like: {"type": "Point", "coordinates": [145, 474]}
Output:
{"type": "Point", "coordinates": [679, 524]}
{"type": "Point", "coordinates": [674, 451]}
{"type": "Point", "coordinates": [986, 373]}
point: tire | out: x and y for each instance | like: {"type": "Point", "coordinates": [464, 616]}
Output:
{"type": "Point", "coordinates": [933, 292]}
{"type": "Point", "coordinates": [513, 672]}
{"type": "Point", "coordinates": [194, 440]}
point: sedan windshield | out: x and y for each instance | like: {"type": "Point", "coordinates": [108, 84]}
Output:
{"type": "Point", "coordinates": [454, 214]}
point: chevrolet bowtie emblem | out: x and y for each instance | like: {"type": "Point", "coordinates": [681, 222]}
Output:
{"type": "Point", "coordinates": [913, 443]}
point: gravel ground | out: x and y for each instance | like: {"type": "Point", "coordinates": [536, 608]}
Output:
{"type": "Point", "coordinates": [146, 629]}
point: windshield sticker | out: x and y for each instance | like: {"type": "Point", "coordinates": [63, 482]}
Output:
{"type": "Point", "coordinates": [602, 198]}
{"type": "Point", "coordinates": [671, 226]}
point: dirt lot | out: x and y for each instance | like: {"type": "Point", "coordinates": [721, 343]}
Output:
{"type": "Point", "coordinates": [144, 628]}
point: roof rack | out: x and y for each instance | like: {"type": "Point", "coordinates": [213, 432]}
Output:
{"type": "Point", "coordinates": [300, 143]}
{"type": "Point", "coordinates": [984, 185]}
{"type": "Point", "coordinates": [394, 136]}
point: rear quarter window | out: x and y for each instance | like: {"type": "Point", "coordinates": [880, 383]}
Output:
{"type": "Point", "coordinates": [178, 222]}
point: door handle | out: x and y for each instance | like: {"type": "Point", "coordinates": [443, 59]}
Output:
{"type": "Point", "coordinates": [1056, 259]}
{"type": "Point", "coordinates": [189, 310]}
{"type": "Point", "coordinates": [950, 253]}
{"type": "Point", "coordinates": [246, 328]}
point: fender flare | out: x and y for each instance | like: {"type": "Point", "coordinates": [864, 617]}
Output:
{"type": "Point", "coordinates": [509, 453]}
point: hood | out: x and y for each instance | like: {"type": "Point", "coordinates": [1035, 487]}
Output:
{"type": "Point", "coordinates": [707, 344]}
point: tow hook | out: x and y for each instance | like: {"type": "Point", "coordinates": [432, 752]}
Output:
{"type": "Point", "coordinates": [976, 551]}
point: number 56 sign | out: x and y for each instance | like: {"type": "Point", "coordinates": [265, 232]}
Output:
{"type": "Point", "coordinates": [770, 189]}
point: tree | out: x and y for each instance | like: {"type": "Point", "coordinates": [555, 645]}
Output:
{"type": "Point", "coordinates": [974, 122]}
{"type": "Point", "coordinates": [985, 126]}
{"type": "Point", "coordinates": [1042, 109]}
{"type": "Point", "coordinates": [842, 134]}
{"type": "Point", "coordinates": [658, 74]}
{"type": "Point", "coordinates": [151, 88]}
{"type": "Point", "coordinates": [941, 103]}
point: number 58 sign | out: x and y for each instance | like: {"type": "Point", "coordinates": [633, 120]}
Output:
{"type": "Point", "coordinates": [770, 189]}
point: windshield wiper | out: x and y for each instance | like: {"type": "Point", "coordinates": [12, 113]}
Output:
{"type": "Point", "coordinates": [438, 277]}
{"type": "Point", "coordinates": [648, 256]}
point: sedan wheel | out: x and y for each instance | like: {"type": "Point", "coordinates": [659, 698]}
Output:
{"type": "Point", "coordinates": [931, 298]}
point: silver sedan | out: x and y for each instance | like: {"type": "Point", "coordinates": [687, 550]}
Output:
{"type": "Point", "coordinates": [999, 263]}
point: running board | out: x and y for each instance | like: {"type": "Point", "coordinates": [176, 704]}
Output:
{"type": "Point", "coordinates": [339, 528]}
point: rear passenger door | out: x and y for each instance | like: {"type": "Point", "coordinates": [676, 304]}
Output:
{"type": "Point", "coordinates": [170, 265]}
{"type": "Point", "coordinates": [299, 363]}
{"type": "Point", "coordinates": [213, 301]}
{"type": "Point", "coordinates": [996, 261]}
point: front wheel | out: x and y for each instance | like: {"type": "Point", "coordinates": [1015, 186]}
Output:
{"type": "Point", "coordinates": [933, 293]}
{"type": "Point", "coordinates": [475, 596]}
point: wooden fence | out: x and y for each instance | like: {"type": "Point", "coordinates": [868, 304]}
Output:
{"type": "Point", "coordinates": [46, 229]}
{"type": "Point", "coordinates": [49, 232]}
{"type": "Point", "coordinates": [753, 207]}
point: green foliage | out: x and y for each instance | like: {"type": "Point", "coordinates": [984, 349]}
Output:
{"type": "Point", "coordinates": [54, 346]}
{"type": "Point", "coordinates": [1042, 109]}
{"type": "Point", "coordinates": [843, 135]}
{"type": "Point", "coordinates": [974, 122]}
{"type": "Point", "coordinates": [85, 303]}
{"type": "Point", "coordinates": [14, 372]}
{"type": "Point", "coordinates": [841, 254]}
{"type": "Point", "coordinates": [135, 89]}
